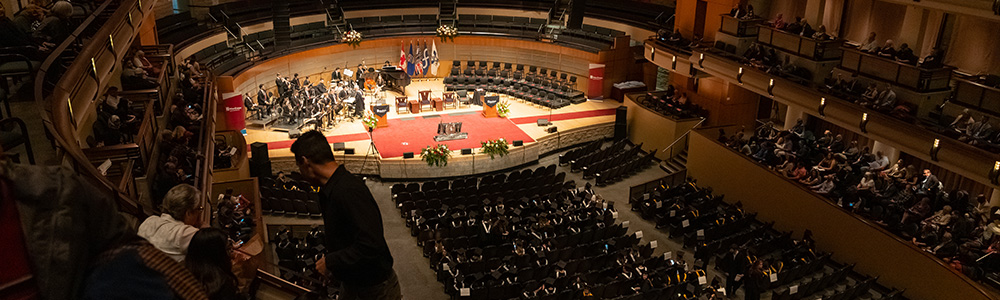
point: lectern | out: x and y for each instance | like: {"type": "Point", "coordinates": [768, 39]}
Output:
{"type": "Point", "coordinates": [490, 106]}
{"type": "Point", "coordinates": [380, 112]}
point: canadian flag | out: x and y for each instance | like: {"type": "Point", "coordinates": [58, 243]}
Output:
{"type": "Point", "coordinates": [402, 56]}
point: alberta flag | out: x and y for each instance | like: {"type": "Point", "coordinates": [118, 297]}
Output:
{"type": "Point", "coordinates": [435, 64]}
{"type": "Point", "coordinates": [409, 61]}
{"type": "Point", "coordinates": [402, 56]}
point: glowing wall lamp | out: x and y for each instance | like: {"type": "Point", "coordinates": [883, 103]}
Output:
{"type": "Point", "coordinates": [770, 87]}
{"type": "Point", "coordinates": [822, 106]}
{"type": "Point", "coordinates": [864, 123]}
{"type": "Point", "coordinates": [739, 76]}
{"type": "Point", "coordinates": [652, 54]}
{"type": "Point", "coordinates": [673, 62]}
{"type": "Point", "coordinates": [994, 173]}
{"type": "Point", "coordinates": [701, 60]}
{"type": "Point", "coordinates": [935, 148]}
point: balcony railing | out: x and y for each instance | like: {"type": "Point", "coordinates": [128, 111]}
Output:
{"type": "Point", "coordinates": [977, 96]}
{"type": "Point", "coordinates": [916, 78]}
{"type": "Point", "coordinates": [807, 47]}
{"type": "Point", "coordinates": [740, 27]}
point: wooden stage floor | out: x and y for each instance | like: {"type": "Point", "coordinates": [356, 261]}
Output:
{"type": "Point", "coordinates": [523, 114]}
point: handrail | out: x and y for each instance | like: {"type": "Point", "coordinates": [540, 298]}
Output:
{"type": "Point", "coordinates": [683, 135]}
{"type": "Point", "coordinates": [58, 118]}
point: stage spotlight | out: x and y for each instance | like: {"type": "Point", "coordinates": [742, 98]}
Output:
{"type": "Point", "coordinates": [739, 76]}
{"type": "Point", "coordinates": [822, 106]}
{"type": "Point", "coordinates": [935, 148]}
{"type": "Point", "coordinates": [864, 123]}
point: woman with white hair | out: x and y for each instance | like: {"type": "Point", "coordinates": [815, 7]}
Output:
{"type": "Point", "coordinates": [56, 27]}
{"type": "Point", "coordinates": [139, 60]}
{"type": "Point", "coordinates": [171, 231]}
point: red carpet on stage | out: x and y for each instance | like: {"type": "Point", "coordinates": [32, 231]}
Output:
{"type": "Point", "coordinates": [332, 139]}
{"type": "Point", "coordinates": [413, 135]}
{"type": "Point", "coordinates": [565, 116]}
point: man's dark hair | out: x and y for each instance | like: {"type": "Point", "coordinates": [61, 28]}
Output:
{"type": "Point", "coordinates": [312, 145]}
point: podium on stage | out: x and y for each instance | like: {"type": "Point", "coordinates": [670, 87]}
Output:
{"type": "Point", "coordinates": [490, 106]}
{"type": "Point", "coordinates": [380, 112]}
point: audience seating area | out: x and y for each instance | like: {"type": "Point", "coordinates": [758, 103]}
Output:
{"type": "Point", "coordinates": [951, 224]}
{"type": "Point", "coordinates": [669, 103]}
{"type": "Point", "coordinates": [714, 230]}
{"type": "Point", "coordinates": [608, 165]}
{"type": "Point", "coordinates": [289, 197]}
{"type": "Point", "coordinates": [539, 86]}
{"type": "Point", "coordinates": [297, 251]}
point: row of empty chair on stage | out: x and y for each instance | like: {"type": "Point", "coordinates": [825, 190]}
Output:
{"type": "Point", "coordinates": [539, 86]}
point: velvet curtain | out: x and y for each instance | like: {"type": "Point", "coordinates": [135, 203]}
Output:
{"type": "Point", "coordinates": [788, 8]}
{"type": "Point", "coordinates": [865, 16]}
{"type": "Point", "coordinates": [974, 46]}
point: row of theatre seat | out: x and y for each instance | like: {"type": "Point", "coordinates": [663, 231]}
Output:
{"type": "Point", "coordinates": [540, 86]}
{"type": "Point", "coordinates": [703, 222]}
{"type": "Point", "coordinates": [608, 165]}
{"type": "Point", "coordinates": [293, 198]}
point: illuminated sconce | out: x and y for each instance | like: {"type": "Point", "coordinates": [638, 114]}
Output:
{"type": "Point", "coordinates": [652, 54]}
{"type": "Point", "coordinates": [864, 123]}
{"type": "Point", "coordinates": [935, 148]}
{"type": "Point", "coordinates": [770, 87]}
{"type": "Point", "coordinates": [673, 62]}
{"type": "Point", "coordinates": [93, 68]}
{"type": "Point", "coordinates": [701, 60]}
{"type": "Point", "coordinates": [822, 106]}
{"type": "Point", "coordinates": [111, 44]}
{"type": "Point", "coordinates": [994, 173]}
{"type": "Point", "coordinates": [739, 76]}
{"type": "Point", "coordinates": [695, 85]}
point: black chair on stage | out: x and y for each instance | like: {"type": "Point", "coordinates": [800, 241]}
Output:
{"type": "Point", "coordinates": [463, 98]}
{"type": "Point", "coordinates": [470, 65]}
{"type": "Point", "coordinates": [482, 64]}
{"type": "Point", "coordinates": [507, 66]}
{"type": "Point", "coordinates": [520, 69]}
{"type": "Point", "coordinates": [496, 65]}
{"type": "Point", "coordinates": [449, 100]}
{"type": "Point", "coordinates": [543, 72]}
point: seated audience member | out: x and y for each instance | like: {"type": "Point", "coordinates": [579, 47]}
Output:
{"type": "Point", "coordinates": [135, 78]}
{"type": "Point", "coordinates": [171, 232]}
{"type": "Point", "coordinates": [140, 60]}
{"type": "Point", "coordinates": [56, 27]}
{"type": "Point", "coordinates": [962, 121]}
{"type": "Point", "coordinates": [886, 100]}
{"type": "Point", "coordinates": [28, 19]}
{"type": "Point", "coordinates": [905, 55]}
{"type": "Point", "coordinates": [978, 131]}
{"type": "Point", "coordinates": [870, 45]}
{"type": "Point", "coordinates": [820, 33]}
{"type": "Point", "coordinates": [209, 260]}
{"type": "Point", "coordinates": [930, 185]}
{"type": "Point", "coordinates": [806, 28]}
{"type": "Point", "coordinates": [108, 131]}
{"type": "Point", "coordinates": [933, 60]}
{"type": "Point", "coordinates": [17, 41]}
{"type": "Point", "coordinates": [137, 270]}
{"type": "Point", "coordinates": [113, 104]}
{"type": "Point", "coordinates": [778, 22]}
{"type": "Point", "coordinates": [888, 51]}
{"type": "Point", "coordinates": [795, 27]}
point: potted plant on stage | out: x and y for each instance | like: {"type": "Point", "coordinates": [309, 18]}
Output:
{"type": "Point", "coordinates": [503, 108]}
{"type": "Point", "coordinates": [352, 37]}
{"type": "Point", "coordinates": [370, 121]}
{"type": "Point", "coordinates": [436, 155]}
{"type": "Point", "coordinates": [497, 147]}
{"type": "Point", "coordinates": [446, 31]}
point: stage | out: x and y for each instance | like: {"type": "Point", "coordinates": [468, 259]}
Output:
{"type": "Point", "coordinates": [577, 123]}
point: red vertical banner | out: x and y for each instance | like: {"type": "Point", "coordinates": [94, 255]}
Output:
{"type": "Point", "coordinates": [232, 107]}
{"type": "Point", "coordinates": [595, 88]}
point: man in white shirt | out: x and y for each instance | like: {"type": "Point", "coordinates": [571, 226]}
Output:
{"type": "Point", "coordinates": [171, 231]}
{"type": "Point", "coordinates": [881, 162]}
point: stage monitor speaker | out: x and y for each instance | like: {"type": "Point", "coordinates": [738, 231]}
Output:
{"type": "Point", "coordinates": [518, 143]}
{"type": "Point", "coordinates": [294, 133]}
{"type": "Point", "coordinates": [466, 151]}
{"type": "Point", "coordinates": [552, 129]}
{"type": "Point", "coordinates": [543, 122]}
{"type": "Point", "coordinates": [338, 146]}
{"type": "Point", "coordinates": [576, 11]}
{"type": "Point", "coordinates": [258, 151]}
{"type": "Point", "coordinates": [348, 150]}
{"type": "Point", "coordinates": [407, 154]}
{"type": "Point", "coordinates": [621, 123]}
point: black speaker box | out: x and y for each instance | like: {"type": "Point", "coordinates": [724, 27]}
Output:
{"type": "Point", "coordinates": [338, 147]}
{"type": "Point", "coordinates": [466, 151]}
{"type": "Point", "coordinates": [552, 129]}
{"type": "Point", "coordinates": [258, 151]}
{"type": "Point", "coordinates": [621, 131]}
{"type": "Point", "coordinates": [621, 115]}
{"type": "Point", "coordinates": [348, 150]}
{"type": "Point", "coordinates": [576, 11]}
{"type": "Point", "coordinates": [260, 168]}
{"type": "Point", "coordinates": [518, 143]}
{"type": "Point", "coordinates": [407, 154]}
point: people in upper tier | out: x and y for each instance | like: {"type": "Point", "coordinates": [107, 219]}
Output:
{"type": "Point", "coordinates": [171, 232]}
{"type": "Point", "coordinates": [888, 50]}
{"type": "Point", "coordinates": [870, 44]}
{"type": "Point", "coordinates": [905, 55]}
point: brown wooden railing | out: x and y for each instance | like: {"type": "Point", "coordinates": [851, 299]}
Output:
{"type": "Point", "coordinates": [977, 96]}
{"type": "Point", "coordinates": [67, 93]}
{"type": "Point", "coordinates": [807, 47]}
{"type": "Point", "coordinates": [916, 78]}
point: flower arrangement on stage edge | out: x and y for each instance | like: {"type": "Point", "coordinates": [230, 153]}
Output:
{"type": "Point", "coordinates": [447, 32]}
{"type": "Point", "coordinates": [503, 108]}
{"type": "Point", "coordinates": [370, 121]}
{"type": "Point", "coordinates": [436, 155]}
{"type": "Point", "coordinates": [497, 147]}
{"type": "Point", "coordinates": [352, 37]}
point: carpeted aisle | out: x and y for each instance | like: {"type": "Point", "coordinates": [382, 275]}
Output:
{"type": "Point", "coordinates": [411, 135]}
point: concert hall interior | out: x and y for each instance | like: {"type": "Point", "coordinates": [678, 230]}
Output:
{"type": "Point", "coordinates": [500, 149]}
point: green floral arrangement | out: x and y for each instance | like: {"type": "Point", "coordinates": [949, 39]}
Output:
{"type": "Point", "coordinates": [503, 108]}
{"type": "Point", "coordinates": [497, 147]}
{"type": "Point", "coordinates": [370, 121]}
{"type": "Point", "coordinates": [352, 37]}
{"type": "Point", "coordinates": [436, 155]}
{"type": "Point", "coordinates": [447, 32]}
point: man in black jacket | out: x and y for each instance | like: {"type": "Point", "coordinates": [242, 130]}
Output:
{"type": "Point", "coordinates": [358, 255]}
